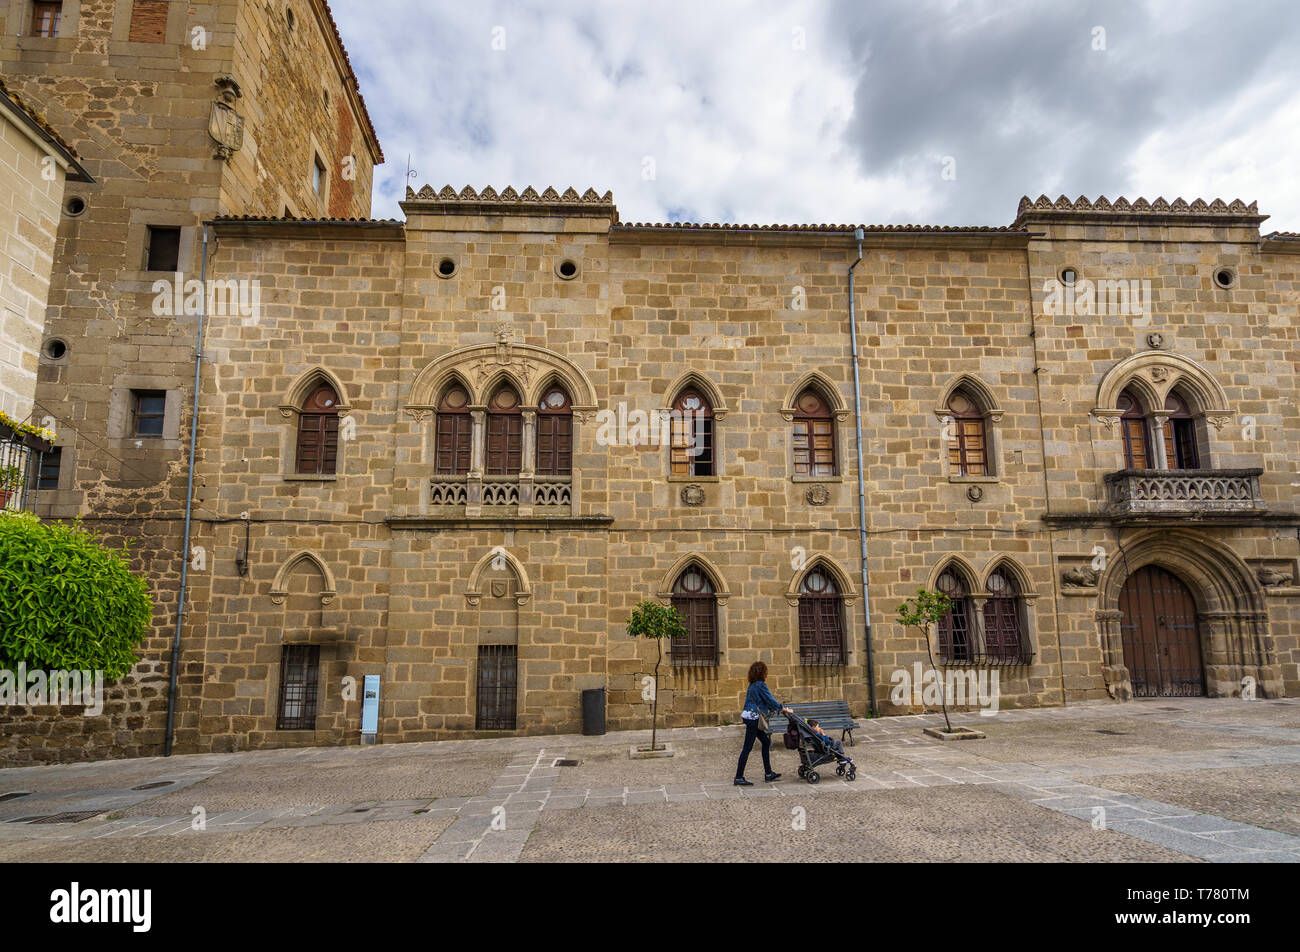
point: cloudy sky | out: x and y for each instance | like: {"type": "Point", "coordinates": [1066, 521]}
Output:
{"type": "Point", "coordinates": [836, 111]}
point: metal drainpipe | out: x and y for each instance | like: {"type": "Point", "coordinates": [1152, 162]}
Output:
{"type": "Point", "coordinates": [858, 235]}
{"type": "Point", "coordinates": [189, 500]}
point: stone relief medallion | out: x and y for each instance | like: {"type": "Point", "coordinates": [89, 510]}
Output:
{"type": "Point", "coordinates": [693, 495]}
{"type": "Point", "coordinates": [818, 495]}
{"type": "Point", "coordinates": [974, 493]}
{"type": "Point", "coordinates": [1156, 341]}
{"type": "Point", "coordinates": [499, 588]}
{"type": "Point", "coordinates": [1159, 374]}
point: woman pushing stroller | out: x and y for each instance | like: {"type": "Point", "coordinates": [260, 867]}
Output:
{"type": "Point", "coordinates": [759, 704]}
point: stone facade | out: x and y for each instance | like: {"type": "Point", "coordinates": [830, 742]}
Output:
{"type": "Point", "coordinates": [180, 113]}
{"type": "Point", "coordinates": [387, 567]}
{"type": "Point", "coordinates": [35, 164]}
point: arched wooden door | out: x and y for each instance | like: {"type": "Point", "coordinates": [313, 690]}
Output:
{"type": "Point", "coordinates": [1162, 644]}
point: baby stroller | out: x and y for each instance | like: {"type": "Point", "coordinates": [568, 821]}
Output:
{"type": "Point", "coordinates": [815, 751]}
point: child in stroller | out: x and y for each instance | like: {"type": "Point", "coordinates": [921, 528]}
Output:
{"type": "Point", "coordinates": [815, 749]}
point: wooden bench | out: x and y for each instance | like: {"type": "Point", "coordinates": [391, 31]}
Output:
{"type": "Point", "coordinates": [829, 715]}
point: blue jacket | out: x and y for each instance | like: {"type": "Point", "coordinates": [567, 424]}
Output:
{"type": "Point", "coordinates": [759, 700]}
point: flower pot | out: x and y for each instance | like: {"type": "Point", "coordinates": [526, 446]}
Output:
{"type": "Point", "coordinates": [33, 442]}
{"type": "Point", "coordinates": [4, 497]}
{"type": "Point", "coordinates": [6, 431]}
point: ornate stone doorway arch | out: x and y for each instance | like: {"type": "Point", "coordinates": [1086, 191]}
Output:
{"type": "Point", "coordinates": [1230, 617]}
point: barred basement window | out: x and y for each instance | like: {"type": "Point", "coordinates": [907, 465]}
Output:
{"type": "Point", "coordinates": [967, 450]}
{"type": "Point", "coordinates": [498, 680]}
{"type": "Point", "coordinates": [821, 620]}
{"type": "Point", "coordinates": [453, 434]}
{"type": "Point", "coordinates": [956, 630]}
{"type": "Point", "coordinates": [691, 428]}
{"type": "Point", "coordinates": [318, 433]}
{"type": "Point", "coordinates": [814, 436]}
{"type": "Point", "coordinates": [299, 680]}
{"type": "Point", "coordinates": [1004, 641]}
{"type": "Point", "coordinates": [555, 434]}
{"type": "Point", "coordinates": [505, 433]}
{"type": "Point", "coordinates": [697, 603]}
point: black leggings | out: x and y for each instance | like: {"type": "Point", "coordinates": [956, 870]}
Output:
{"type": "Point", "coordinates": [751, 732]}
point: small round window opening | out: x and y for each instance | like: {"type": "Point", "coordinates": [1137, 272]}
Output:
{"type": "Point", "coordinates": [1225, 277]}
{"type": "Point", "coordinates": [1069, 276]}
{"type": "Point", "coordinates": [75, 206]}
{"type": "Point", "coordinates": [567, 269]}
{"type": "Point", "coordinates": [55, 349]}
{"type": "Point", "coordinates": [447, 268]}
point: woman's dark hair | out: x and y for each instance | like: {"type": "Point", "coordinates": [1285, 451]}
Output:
{"type": "Point", "coordinates": [757, 672]}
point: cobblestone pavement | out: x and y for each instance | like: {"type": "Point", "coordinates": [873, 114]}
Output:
{"type": "Point", "coordinates": [1199, 779]}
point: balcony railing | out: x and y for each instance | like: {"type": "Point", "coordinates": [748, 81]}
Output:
{"type": "Point", "coordinates": [501, 495]}
{"type": "Point", "coordinates": [1184, 491]}
{"type": "Point", "coordinates": [20, 469]}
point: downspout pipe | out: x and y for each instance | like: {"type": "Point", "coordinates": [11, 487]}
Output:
{"type": "Point", "coordinates": [858, 236]}
{"type": "Point", "coordinates": [189, 503]}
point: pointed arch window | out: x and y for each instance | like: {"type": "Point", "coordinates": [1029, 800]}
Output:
{"type": "Point", "coordinates": [1180, 434]}
{"type": "Point", "coordinates": [318, 432]}
{"type": "Point", "coordinates": [821, 619]}
{"type": "Point", "coordinates": [555, 434]}
{"type": "Point", "coordinates": [1134, 427]}
{"type": "Point", "coordinates": [1004, 639]}
{"type": "Point", "coordinates": [696, 601]}
{"type": "Point", "coordinates": [505, 433]}
{"type": "Point", "coordinates": [813, 436]}
{"type": "Point", "coordinates": [691, 430]}
{"type": "Point", "coordinates": [967, 441]}
{"type": "Point", "coordinates": [956, 643]}
{"type": "Point", "coordinates": [454, 433]}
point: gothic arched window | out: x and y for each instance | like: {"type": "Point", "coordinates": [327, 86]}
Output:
{"type": "Point", "coordinates": [821, 619]}
{"type": "Point", "coordinates": [454, 434]}
{"type": "Point", "coordinates": [1134, 425]}
{"type": "Point", "coordinates": [813, 436]}
{"type": "Point", "coordinates": [1180, 434]}
{"type": "Point", "coordinates": [697, 602]}
{"type": "Point", "coordinates": [555, 434]}
{"type": "Point", "coordinates": [505, 433]}
{"type": "Point", "coordinates": [318, 432]}
{"type": "Point", "coordinates": [967, 441]}
{"type": "Point", "coordinates": [956, 631]}
{"type": "Point", "coordinates": [691, 428]}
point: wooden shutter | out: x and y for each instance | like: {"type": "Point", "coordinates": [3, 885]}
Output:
{"type": "Point", "coordinates": [454, 442]}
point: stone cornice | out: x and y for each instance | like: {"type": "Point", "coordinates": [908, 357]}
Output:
{"type": "Point", "coordinates": [1122, 211]}
{"type": "Point", "coordinates": [529, 202]}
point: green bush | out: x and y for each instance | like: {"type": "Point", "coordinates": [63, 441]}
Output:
{"type": "Point", "coordinates": [67, 601]}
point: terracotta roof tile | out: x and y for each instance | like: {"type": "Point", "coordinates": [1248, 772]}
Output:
{"type": "Point", "coordinates": [356, 85]}
{"type": "Point", "coordinates": [37, 118]}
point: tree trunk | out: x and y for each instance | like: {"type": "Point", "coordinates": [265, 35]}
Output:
{"type": "Point", "coordinates": [943, 701]}
{"type": "Point", "coordinates": [654, 715]}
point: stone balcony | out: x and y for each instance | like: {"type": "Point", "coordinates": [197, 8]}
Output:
{"type": "Point", "coordinates": [519, 495]}
{"type": "Point", "coordinates": [1184, 492]}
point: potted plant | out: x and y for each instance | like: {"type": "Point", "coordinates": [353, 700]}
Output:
{"type": "Point", "coordinates": [652, 620]}
{"type": "Point", "coordinates": [10, 482]}
{"type": "Point", "coordinates": [922, 612]}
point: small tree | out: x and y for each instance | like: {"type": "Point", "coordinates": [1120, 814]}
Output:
{"type": "Point", "coordinates": [67, 601]}
{"type": "Point", "coordinates": [652, 620]}
{"type": "Point", "coordinates": [922, 612]}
